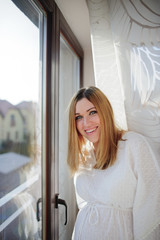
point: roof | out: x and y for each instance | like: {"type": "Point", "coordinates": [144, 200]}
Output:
{"type": "Point", "coordinates": [4, 107]}
{"type": "Point", "coordinates": [26, 105]}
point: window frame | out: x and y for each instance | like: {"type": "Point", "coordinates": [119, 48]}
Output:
{"type": "Point", "coordinates": [55, 25]}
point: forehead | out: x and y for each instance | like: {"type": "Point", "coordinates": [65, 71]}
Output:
{"type": "Point", "coordinates": [83, 105]}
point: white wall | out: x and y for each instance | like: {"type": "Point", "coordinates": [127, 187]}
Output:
{"type": "Point", "coordinates": [77, 16]}
{"type": "Point", "coordinates": [88, 74]}
{"type": "Point", "coordinates": [126, 50]}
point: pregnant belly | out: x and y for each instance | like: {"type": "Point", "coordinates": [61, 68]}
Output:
{"type": "Point", "coordinates": [96, 221]}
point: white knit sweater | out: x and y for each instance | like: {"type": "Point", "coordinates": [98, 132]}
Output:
{"type": "Point", "coordinates": [121, 202]}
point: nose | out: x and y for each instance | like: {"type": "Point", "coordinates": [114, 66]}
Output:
{"type": "Point", "coordinates": [86, 121]}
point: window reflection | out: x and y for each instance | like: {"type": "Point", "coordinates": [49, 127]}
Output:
{"type": "Point", "coordinates": [20, 122]}
{"type": "Point", "coordinates": [18, 132]}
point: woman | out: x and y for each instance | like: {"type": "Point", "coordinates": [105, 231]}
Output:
{"type": "Point", "coordinates": [116, 176]}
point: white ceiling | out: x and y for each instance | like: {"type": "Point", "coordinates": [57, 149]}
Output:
{"type": "Point", "coordinates": [77, 16]}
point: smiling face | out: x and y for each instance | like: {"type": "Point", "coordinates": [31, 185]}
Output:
{"type": "Point", "coordinates": [87, 120]}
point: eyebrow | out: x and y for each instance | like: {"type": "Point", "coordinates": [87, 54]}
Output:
{"type": "Point", "coordinates": [86, 110]}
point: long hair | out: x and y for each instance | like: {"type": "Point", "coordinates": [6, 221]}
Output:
{"type": "Point", "coordinates": [109, 136]}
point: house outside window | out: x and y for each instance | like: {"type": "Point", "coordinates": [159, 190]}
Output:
{"type": "Point", "coordinates": [16, 135]}
{"type": "Point", "coordinates": [8, 135]}
{"type": "Point", "coordinates": [12, 121]}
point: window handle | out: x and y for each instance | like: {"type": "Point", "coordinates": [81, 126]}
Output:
{"type": "Point", "coordinates": [61, 202]}
{"type": "Point", "coordinates": [38, 211]}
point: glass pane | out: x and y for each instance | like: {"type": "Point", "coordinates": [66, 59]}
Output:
{"type": "Point", "coordinates": [68, 85]}
{"type": "Point", "coordinates": [20, 121]}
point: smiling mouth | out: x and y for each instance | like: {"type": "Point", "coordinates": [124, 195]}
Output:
{"type": "Point", "coordinates": [91, 130]}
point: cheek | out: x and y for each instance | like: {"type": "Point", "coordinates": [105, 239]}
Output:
{"type": "Point", "coordinates": [98, 120]}
{"type": "Point", "coordinates": [79, 126]}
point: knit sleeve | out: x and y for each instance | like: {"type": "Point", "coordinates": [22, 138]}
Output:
{"type": "Point", "coordinates": [146, 207]}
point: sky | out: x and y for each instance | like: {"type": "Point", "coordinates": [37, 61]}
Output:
{"type": "Point", "coordinates": [19, 55]}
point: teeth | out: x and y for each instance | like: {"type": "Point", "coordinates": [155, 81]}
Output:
{"type": "Point", "coordinates": [89, 131]}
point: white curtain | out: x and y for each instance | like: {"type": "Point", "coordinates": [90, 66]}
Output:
{"type": "Point", "coordinates": [125, 36]}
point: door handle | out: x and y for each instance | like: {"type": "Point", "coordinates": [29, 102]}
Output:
{"type": "Point", "coordinates": [61, 202]}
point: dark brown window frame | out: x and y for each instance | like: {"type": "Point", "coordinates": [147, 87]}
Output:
{"type": "Point", "coordinates": [56, 25]}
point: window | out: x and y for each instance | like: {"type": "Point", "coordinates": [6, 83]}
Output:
{"type": "Point", "coordinates": [12, 120]}
{"type": "Point", "coordinates": [21, 60]}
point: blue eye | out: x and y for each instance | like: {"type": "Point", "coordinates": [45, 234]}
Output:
{"type": "Point", "coordinates": [78, 117]}
{"type": "Point", "coordinates": [93, 112]}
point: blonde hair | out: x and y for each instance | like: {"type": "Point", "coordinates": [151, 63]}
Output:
{"type": "Point", "coordinates": [109, 136]}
